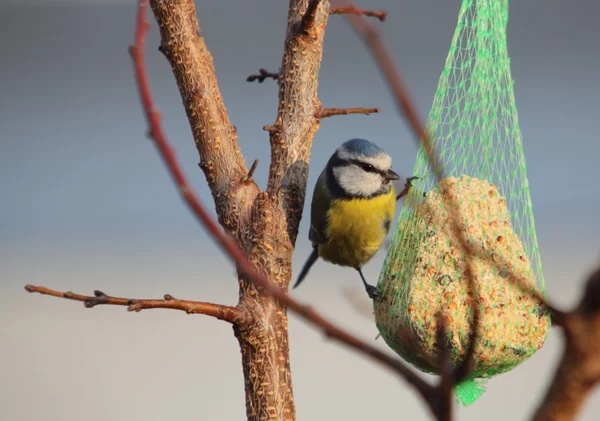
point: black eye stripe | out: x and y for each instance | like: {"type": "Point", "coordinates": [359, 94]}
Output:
{"type": "Point", "coordinates": [368, 167]}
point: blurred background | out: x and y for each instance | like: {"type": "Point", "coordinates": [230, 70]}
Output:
{"type": "Point", "coordinates": [87, 204]}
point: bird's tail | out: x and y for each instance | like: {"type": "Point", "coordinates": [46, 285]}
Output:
{"type": "Point", "coordinates": [311, 260]}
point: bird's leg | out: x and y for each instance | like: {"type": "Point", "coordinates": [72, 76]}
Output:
{"type": "Point", "coordinates": [406, 188]}
{"type": "Point", "coordinates": [371, 290]}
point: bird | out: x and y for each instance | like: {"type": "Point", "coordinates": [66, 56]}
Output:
{"type": "Point", "coordinates": [352, 207]}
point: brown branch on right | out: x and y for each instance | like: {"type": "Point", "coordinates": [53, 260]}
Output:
{"type": "Point", "coordinates": [262, 75]}
{"type": "Point", "coordinates": [578, 372]}
{"type": "Point", "coordinates": [353, 10]}
{"type": "Point", "coordinates": [329, 112]}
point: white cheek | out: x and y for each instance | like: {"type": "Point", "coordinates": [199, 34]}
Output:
{"type": "Point", "coordinates": [357, 182]}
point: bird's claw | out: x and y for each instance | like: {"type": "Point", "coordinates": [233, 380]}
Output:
{"type": "Point", "coordinates": [373, 293]}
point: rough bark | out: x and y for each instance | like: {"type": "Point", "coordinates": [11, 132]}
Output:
{"type": "Point", "coordinates": [276, 216]}
{"type": "Point", "coordinates": [215, 137]}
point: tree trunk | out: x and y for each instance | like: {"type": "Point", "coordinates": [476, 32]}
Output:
{"type": "Point", "coordinates": [265, 223]}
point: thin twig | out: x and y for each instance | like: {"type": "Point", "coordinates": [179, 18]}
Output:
{"type": "Point", "coordinates": [262, 75]}
{"type": "Point", "coordinates": [229, 314]}
{"type": "Point", "coordinates": [353, 10]}
{"type": "Point", "coordinates": [270, 129]}
{"type": "Point", "coordinates": [329, 112]}
{"type": "Point", "coordinates": [407, 187]}
{"type": "Point", "coordinates": [248, 176]}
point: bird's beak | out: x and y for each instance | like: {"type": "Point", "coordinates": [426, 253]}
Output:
{"type": "Point", "coordinates": [391, 175]}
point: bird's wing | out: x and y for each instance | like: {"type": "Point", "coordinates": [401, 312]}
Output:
{"type": "Point", "coordinates": [318, 213]}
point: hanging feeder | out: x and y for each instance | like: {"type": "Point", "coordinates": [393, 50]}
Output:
{"type": "Point", "coordinates": [474, 127]}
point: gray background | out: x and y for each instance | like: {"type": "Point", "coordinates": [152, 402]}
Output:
{"type": "Point", "coordinates": [86, 203]}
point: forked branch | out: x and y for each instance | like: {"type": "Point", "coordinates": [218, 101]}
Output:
{"type": "Point", "coordinates": [232, 315]}
{"type": "Point", "coordinates": [578, 372]}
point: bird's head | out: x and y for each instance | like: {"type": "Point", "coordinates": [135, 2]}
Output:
{"type": "Point", "coordinates": [360, 168]}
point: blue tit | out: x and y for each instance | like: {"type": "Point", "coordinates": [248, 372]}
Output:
{"type": "Point", "coordinates": [352, 208]}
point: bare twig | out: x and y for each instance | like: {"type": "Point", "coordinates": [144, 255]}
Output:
{"type": "Point", "coordinates": [329, 112]}
{"type": "Point", "coordinates": [250, 174]}
{"type": "Point", "coordinates": [262, 75]}
{"type": "Point", "coordinates": [229, 314]}
{"type": "Point", "coordinates": [270, 129]}
{"type": "Point", "coordinates": [353, 10]}
{"type": "Point", "coordinates": [407, 187]}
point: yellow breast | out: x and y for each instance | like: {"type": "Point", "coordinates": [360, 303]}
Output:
{"type": "Point", "coordinates": [356, 229]}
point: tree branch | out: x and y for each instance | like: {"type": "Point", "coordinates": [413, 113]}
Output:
{"type": "Point", "coordinates": [579, 369]}
{"type": "Point", "coordinates": [262, 75]}
{"type": "Point", "coordinates": [353, 10]}
{"type": "Point", "coordinates": [216, 139]}
{"type": "Point", "coordinates": [229, 314]}
{"type": "Point", "coordinates": [329, 112]}
{"type": "Point", "coordinates": [295, 125]}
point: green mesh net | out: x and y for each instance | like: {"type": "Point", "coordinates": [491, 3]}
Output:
{"type": "Point", "coordinates": [473, 122]}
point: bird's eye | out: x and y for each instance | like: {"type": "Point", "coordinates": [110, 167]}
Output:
{"type": "Point", "coordinates": [368, 167]}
